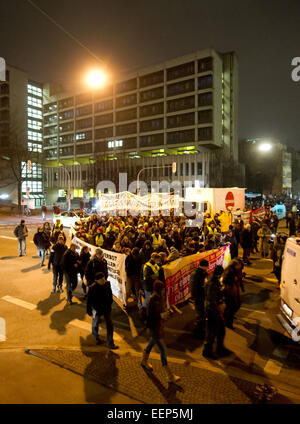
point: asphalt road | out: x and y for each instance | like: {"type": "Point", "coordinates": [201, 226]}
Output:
{"type": "Point", "coordinates": [44, 324]}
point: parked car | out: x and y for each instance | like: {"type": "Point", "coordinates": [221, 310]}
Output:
{"type": "Point", "coordinates": [68, 219]}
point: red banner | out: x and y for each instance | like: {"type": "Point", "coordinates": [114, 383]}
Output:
{"type": "Point", "coordinates": [177, 273]}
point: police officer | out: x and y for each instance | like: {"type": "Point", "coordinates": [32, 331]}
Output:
{"type": "Point", "coordinates": [215, 322]}
{"type": "Point", "coordinates": [197, 282]}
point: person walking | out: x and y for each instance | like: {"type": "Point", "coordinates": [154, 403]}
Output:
{"type": "Point", "coordinates": [21, 232]}
{"type": "Point", "coordinates": [246, 243]}
{"type": "Point", "coordinates": [99, 303]}
{"type": "Point", "coordinates": [155, 318]}
{"type": "Point", "coordinates": [230, 282]}
{"type": "Point", "coordinates": [40, 239]}
{"type": "Point", "coordinates": [56, 256]}
{"type": "Point", "coordinates": [133, 267]}
{"type": "Point", "coordinates": [70, 267]}
{"type": "Point", "coordinates": [84, 258]}
{"type": "Point", "coordinates": [96, 265]}
{"type": "Point", "coordinates": [44, 212]}
{"type": "Point", "coordinates": [215, 320]}
{"type": "Point", "coordinates": [197, 283]}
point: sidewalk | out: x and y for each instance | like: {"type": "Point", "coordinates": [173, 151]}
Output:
{"type": "Point", "coordinates": [8, 220]}
{"type": "Point", "coordinates": [122, 373]}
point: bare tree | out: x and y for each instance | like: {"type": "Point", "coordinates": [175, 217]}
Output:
{"type": "Point", "coordinates": [14, 153]}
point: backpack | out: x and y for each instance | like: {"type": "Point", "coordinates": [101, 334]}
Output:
{"type": "Point", "coordinates": [16, 231]}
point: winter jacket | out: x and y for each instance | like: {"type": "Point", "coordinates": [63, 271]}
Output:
{"type": "Point", "coordinates": [197, 282]}
{"type": "Point", "coordinates": [150, 274]}
{"type": "Point", "coordinates": [133, 265]}
{"type": "Point", "coordinates": [21, 232]}
{"type": "Point", "coordinates": [213, 294]}
{"type": "Point", "coordinates": [246, 239]}
{"type": "Point", "coordinates": [94, 267]}
{"type": "Point", "coordinates": [154, 320]}
{"type": "Point", "coordinates": [41, 240]}
{"type": "Point", "coordinates": [99, 298]}
{"type": "Point", "coordinates": [69, 260]}
{"type": "Point", "coordinates": [56, 254]}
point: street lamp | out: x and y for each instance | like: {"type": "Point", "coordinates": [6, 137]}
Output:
{"type": "Point", "coordinates": [96, 78]}
{"type": "Point", "coordinates": [173, 166]}
{"type": "Point", "coordinates": [265, 147]}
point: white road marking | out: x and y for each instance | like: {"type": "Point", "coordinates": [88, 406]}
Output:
{"type": "Point", "coordinates": [274, 366]}
{"type": "Point", "coordinates": [19, 302]}
{"type": "Point", "coordinates": [8, 238]}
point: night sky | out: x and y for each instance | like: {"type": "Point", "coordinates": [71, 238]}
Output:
{"type": "Point", "coordinates": [132, 34]}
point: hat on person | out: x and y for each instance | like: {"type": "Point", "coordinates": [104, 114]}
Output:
{"type": "Point", "coordinates": [204, 262]}
{"type": "Point", "coordinates": [100, 230]}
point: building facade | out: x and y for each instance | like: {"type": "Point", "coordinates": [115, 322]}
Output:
{"type": "Point", "coordinates": [183, 111]}
{"type": "Point", "coordinates": [21, 135]}
{"type": "Point", "coordinates": [268, 166]}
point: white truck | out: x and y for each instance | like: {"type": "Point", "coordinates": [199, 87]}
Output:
{"type": "Point", "coordinates": [214, 200]}
{"type": "Point", "coordinates": [289, 316]}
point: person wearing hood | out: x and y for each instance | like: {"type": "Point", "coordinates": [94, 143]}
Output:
{"type": "Point", "coordinates": [197, 284]}
{"type": "Point", "coordinates": [146, 251]}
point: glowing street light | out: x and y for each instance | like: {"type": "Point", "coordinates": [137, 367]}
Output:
{"type": "Point", "coordinates": [96, 78]}
{"type": "Point", "coordinates": [265, 147]}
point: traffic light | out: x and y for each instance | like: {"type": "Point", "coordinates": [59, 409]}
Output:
{"type": "Point", "coordinates": [29, 166]}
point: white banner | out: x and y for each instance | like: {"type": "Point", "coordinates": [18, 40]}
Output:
{"type": "Point", "coordinates": [116, 269]}
{"type": "Point", "coordinates": [245, 216]}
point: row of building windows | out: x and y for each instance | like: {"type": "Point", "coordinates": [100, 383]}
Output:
{"type": "Point", "coordinates": [32, 186]}
{"type": "Point", "coordinates": [34, 113]}
{"type": "Point", "coordinates": [204, 116]}
{"type": "Point", "coordinates": [36, 91]}
{"type": "Point", "coordinates": [33, 101]}
{"type": "Point", "coordinates": [34, 147]}
{"type": "Point", "coordinates": [35, 172]}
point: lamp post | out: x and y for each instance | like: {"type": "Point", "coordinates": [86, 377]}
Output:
{"type": "Point", "coordinates": [173, 166]}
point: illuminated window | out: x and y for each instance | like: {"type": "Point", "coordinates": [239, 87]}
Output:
{"type": "Point", "coordinates": [31, 89]}
{"type": "Point", "coordinates": [32, 101]}
{"type": "Point", "coordinates": [36, 125]}
{"type": "Point", "coordinates": [35, 136]}
{"type": "Point", "coordinates": [34, 113]}
{"type": "Point", "coordinates": [33, 147]}
{"type": "Point", "coordinates": [115, 143]}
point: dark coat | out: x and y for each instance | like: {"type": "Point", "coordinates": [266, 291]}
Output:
{"type": "Point", "coordinates": [154, 320]}
{"type": "Point", "coordinates": [69, 260]}
{"type": "Point", "coordinates": [133, 265]}
{"type": "Point", "coordinates": [41, 240]}
{"type": "Point", "coordinates": [246, 239]}
{"type": "Point", "coordinates": [56, 254]}
{"type": "Point", "coordinates": [99, 298]}
{"type": "Point", "coordinates": [197, 285]}
{"type": "Point", "coordinates": [93, 268]}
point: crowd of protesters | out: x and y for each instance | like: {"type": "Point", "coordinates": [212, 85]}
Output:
{"type": "Point", "coordinates": [150, 243]}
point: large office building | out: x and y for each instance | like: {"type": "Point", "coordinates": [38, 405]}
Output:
{"type": "Point", "coordinates": [21, 134]}
{"type": "Point", "coordinates": [183, 111]}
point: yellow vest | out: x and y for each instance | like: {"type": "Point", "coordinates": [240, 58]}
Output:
{"type": "Point", "coordinates": [155, 269]}
{"type": "Point", "coordinates": [156, 241]}
{"type": "Point", "coordinates": [212, 231]}
{"type": "Point", "coordinates": [99, 240]}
